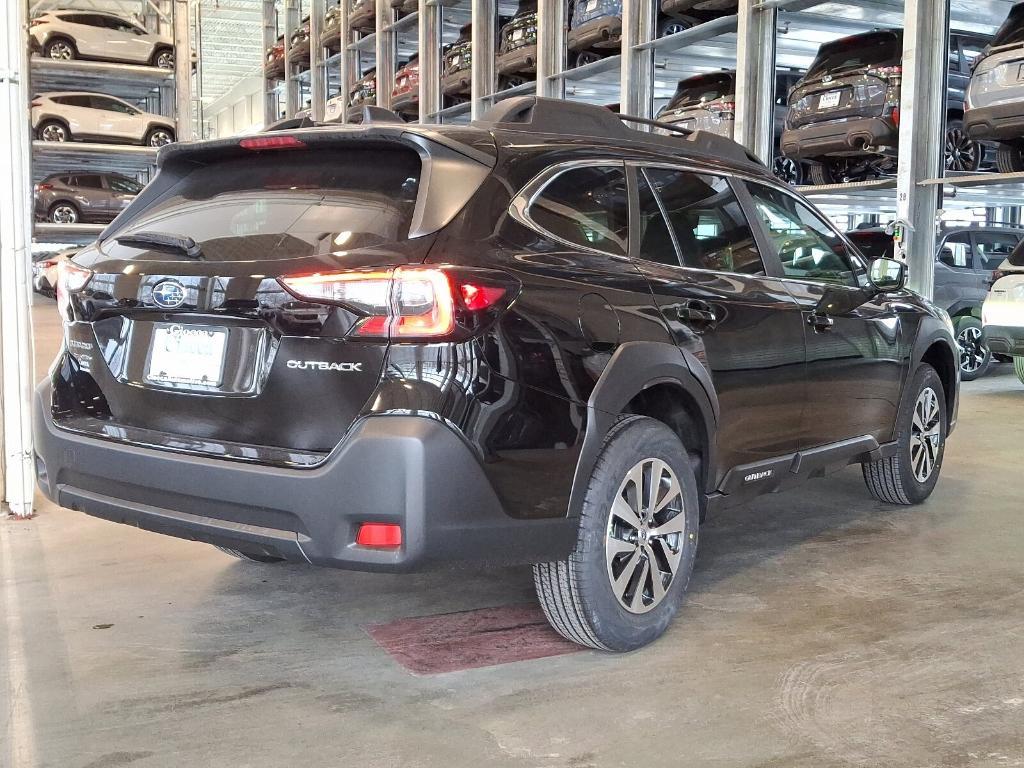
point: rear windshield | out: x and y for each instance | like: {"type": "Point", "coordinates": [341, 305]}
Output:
{"type": "Point", "coordinates": [1012, 30]}
{"type": "Point", "coordinates": [702, 89]}
{"type": "Point", "coordinates": [290, 204]}
{"type": "Point", "coordinates": [874, 245]}
{"type": "Point", "coordinates": [879, 49]}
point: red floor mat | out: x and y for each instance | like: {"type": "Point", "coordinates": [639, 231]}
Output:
{"type": "Point", "coordinates": [430, 645]}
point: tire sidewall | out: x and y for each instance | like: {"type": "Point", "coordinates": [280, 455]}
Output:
{"type": "Point", "coordinates": [55, 206]}
{"type": "Point", "coordinates": [973, 322]}
{"type": "Point", "coordinates": [916, 491]}
{"type": "Point", "coordinates": [630, 441]}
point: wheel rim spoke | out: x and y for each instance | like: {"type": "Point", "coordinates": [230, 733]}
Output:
{"type": "Point", "coordinates": [925, 435]}
{"type": "Point", "coordinates": [622, 510]}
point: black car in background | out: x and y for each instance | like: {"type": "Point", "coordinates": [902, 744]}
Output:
{"type": "Point", "coordinates": [844, 116]}
{"type": "Point", "coordinates": [966, 257]}
{"type": "Point", "coordinates": [541, 338]}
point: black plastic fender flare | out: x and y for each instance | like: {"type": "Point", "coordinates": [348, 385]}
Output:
{"type": "Point", "coordinates": [634, 367]}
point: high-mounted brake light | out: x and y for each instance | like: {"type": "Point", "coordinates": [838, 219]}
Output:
{"type": "Point", "coordinates": [272, 142]}
{"type": "Point", "coordinates": [893, 71]}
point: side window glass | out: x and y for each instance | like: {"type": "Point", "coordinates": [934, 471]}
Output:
{"type": "Point", "coordinates": [808, 248]}
{"type": "Point", "coordinates": [587, 207]}
{"type": "Point", "coordinates": [993, 247]}
{"type": "Point", "coordinates": [707, 220]}
{"type": "Point", "coordinates": [90, 181]}
{"type": "Point", "coordinates": [956, 251]}
{"type": "Point", "coordinates": [656, 243]}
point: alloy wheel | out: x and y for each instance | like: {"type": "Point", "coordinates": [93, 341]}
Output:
{"type": "Point", "coordinates": [786, 169]}
{"type": "Point", "coordinates": [61, 51]}
{"type": "Point", "coordinates": [961, 152]}
{"type": "Point", "coordinates": [159, 138]}
{"type": "Point", "coordinates": [925, 435]}
{"type": "Point", "coordinates": [54, 132]}
{"type": "Point", "coordinates": [674, 27]}
{"type": "Point", "coordinates": [645, 535]}
{"type": "Point", "coordinates": [165, 60]}
{"type": "Point", "coordinates": [64, 214]}
{"type": "Point", "coordinates": [972, 349]}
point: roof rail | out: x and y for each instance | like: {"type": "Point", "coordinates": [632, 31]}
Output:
{"type": "Point", "coordinates": [579, 119]}
{"type": "Point", "coordinates": [373, 115]}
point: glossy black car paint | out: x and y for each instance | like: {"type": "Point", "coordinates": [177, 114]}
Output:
{"type": "Point", "coordinates": [529, 396]}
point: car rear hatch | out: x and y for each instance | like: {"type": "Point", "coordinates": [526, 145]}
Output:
{"type": "Point", "coordinates": [854, 77]}
{"type": "Point", "coordinates": [240, 306]}
{"type": "Point", "coordinates": [705, 103]}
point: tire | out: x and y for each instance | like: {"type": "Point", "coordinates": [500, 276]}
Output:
{"type": "Point", "coordinates": [157, 137]}
{"type": "Point", "coordinates": [249, 557]}
{"type": "Point", "coordinates": [577, 594]}
{"type": "Point", "coordinates": [975, 357]}
{"type": "Point", "coordinates": [1009, 158]}
{"type": "Point", "coordinates": [787, 170]}
{"type": "Point", "coordinates": [1018, 368]}
{"type": "Point", "coordinates": [896, 480]}
{"type": "Point", "coordinates": [586, 57]}
{"type": "Point", "coordinates": [60, 49]}
{"type": "Point", "coordinates": [63, 213]}
{"type": "Point", "coordinates": [53, 130]}
{"type": "Point", "coordinates": [511, 81]}
{"type": "Point", "coordinates": [820, 173]}
{"type": "Point", "coordinates": [163, 58]}
{"type": "Point", "coordinates": [961, 152]}
{"type": "Point", "coordinates": [670, 25]}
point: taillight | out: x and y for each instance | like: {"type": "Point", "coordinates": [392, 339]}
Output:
{"type": "Point", "coordinates": [37, 22]}
{"type": "Point", "coordinates": [406, 303]}
{"type": "Point", "coordinates": [71, 278]}
{"type": "Point", "coordinates": [896, 116]}
{"type": "Point", "coordinates": [44, 186]}
{"type": "Point", "coordinates": [894, 71]}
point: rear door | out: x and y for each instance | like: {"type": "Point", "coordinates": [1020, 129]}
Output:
{"type": "Point", "coordinates": [116, 119]}
{"type": "Point", "coordinates": [711, 284]}
{"type": "Point", "coordinates": [855, 368]}
{"type": "Point", "coordinates": [91, 196]}
{"type": "Point", "coordinates": [955, 276]}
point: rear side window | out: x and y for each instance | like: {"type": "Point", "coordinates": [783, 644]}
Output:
{"type": "Point", "coordinates": [956, 251]}
{"type": "Point", "coordinates": [879, 49]}
{"type": "Point", "coordinates": [587, 206]}
{"type": "Point", "coordinates": [279, 205]}
{"type": "Point", "coordinates": [993, 247]}
{"type": "Point", "coordinates": [707, 220]}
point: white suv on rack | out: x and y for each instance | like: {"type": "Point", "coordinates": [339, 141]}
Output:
{"type": "Point", "coordinates": [64, 35]}
{"type": "Point", "coordinates": [80, 115]}
{"type": "Point", "coordinates": [1002, 314]}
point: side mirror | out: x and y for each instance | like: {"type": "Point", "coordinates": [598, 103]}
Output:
{"type": "Point", "coordinates": [887, 275]}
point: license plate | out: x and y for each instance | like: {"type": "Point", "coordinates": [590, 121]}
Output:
{"type": "Point", "coordinates": [829, 100]}
{"type": "Point", "coordinates": [183, 354]}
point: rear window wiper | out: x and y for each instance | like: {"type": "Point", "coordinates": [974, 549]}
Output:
{"type": "Point", "coordinates": [161, 240]}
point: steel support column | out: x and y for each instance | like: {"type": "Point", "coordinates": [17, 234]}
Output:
{"type": "Point", "coordinates": [755, 78]}
{"type": "Point", "coordinates": [317, 72]}
{"type": "Point", "coordinates": [922, 126]}
{"type": "Point", "coordinates": [270, 105]}
{"type": "Point", "coordinates": [385, 47]}
{"type": "Point", "coordinates": [636, 78]}
{"type": "Point", "coordinates": [348, 62]}
{"type": "Point", "coordinates": [430, 60]}
{"type": "Point", "coordinates": [18, 377]}
{"type": "Point", "coordinates": [483, 52]}
{"type": "Point", "coordinates": [291, 85]}
{"type": "Point", "coordinates": [182, 72]}
{"type": "Point", "coordinates": [551, 48]}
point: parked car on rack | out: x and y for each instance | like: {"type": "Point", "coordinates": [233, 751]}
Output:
{"type": "Point", "coordinates": [695, 8]}
{"type": "Point", "coordinates": [565, 340]}
{"type": "Point", "coordinates": [274, 66]}
{"type": "Point", "coordinates": [364, 91]}
{"type": "Point", "coordinates": [965, 260]}
{"type": "Point", "coordinates": [330, 36]}
{"type": "Point", "coordinates": [363, 16]}
{"type": "Point", "coordinates": [1002, 315]}
{"type": "Point", "coordinates": [995, 96]}
{"type": "Point", "coordinates": [83, 197]}
{"type": "Point", "coordinates": [298, 51]}
{"type": "Point", "coordinates": [457, 66]}
{"type": "Point", "coordinates": [708, 103]}
{"type": "Point", "coordinates": [405, 96]}
{"type": "Point", "coordinates": [65, 35]}
{"type": "Point", "coordinates": [84, 116]}
{"type": "Point", "coordinates": [844, 114]}
{"type": "Point", "coordinates": [45, 268]}
{"type": "Point", "coordinates": [405, 7]}
{"type": "Point", "coordinates": [516, 61]}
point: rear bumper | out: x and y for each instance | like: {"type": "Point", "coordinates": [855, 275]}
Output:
{"type": "Point", "coordinates": [523, 59]}
{"type": "Point", "coordinates": [1005, 339]}
{"type": "Point", "coordinates": [409, 470]}
{"type": "Point", "coordinates": [457, 83]}
{"type": "Point", "coordinates": [1000, 122]}
{"type": "Point", "coordinates": [604, 31]}
{"type": "Point", "coordinates": [839, 137]}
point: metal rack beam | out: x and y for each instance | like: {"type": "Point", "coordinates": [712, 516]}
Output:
{"type": "Point", "coordinates": [429, 39]}
{"type": "Point", "coordinates": [385, 45]}
{"type": "Point", "coordinates": [483, 52]}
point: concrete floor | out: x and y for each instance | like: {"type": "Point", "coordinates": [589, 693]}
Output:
{"type": "Point", "coordinates": [822, 629]}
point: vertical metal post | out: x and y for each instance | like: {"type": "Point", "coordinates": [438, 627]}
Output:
{"type": "Point", "coordinates": [922, 125]}
{"type": "Point", "coordinates": [182, 72]}
{"type": "Point", "coordinates": [269, 39]}
{"type": "Point", "coordinates": [384, 47]}
{"type": "Point", "coordinates": [291, 85]}
{"type": "Point", "coordinates": [636, 77]}
{"type": "Point", "coordinates": [755, 78]}
{"type": "Point", "coordinates": [317, 72]}
{"type": "Point", "coordinates": [348, 62]}
{"type": "Point", "coordinates": [483, 51]}
{"type": "Point", "coordinates": [430, 60]}
{"type": "Point", "coordinates": [551, 48]}
{"type": "Point", "coordinates": [18, 376]}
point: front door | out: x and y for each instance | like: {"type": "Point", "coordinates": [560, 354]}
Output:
{"type": "Point", "coordinates": [710, 283]}
{"type": "Point", "coordinates": [855, 353]}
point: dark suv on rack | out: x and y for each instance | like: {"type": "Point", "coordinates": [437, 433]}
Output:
{"type": "Point", "coordinates": [541, 338]}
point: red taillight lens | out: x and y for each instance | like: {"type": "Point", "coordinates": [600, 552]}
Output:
{"type": "Point", "coordinates": [477, 297]}
{"type": "Point", "coordinates": [37, 22]}
{"type": "Point", "coordinates": [36, 104]}
{"type": "Point", "coordinates": [71, 278]}
{"type": "Point", "coordinates": [896, 116]}
{"type": "Point", "coordinates": [384, 535]}
{"type": "Point", "coordinates": [44, 186]}
{"type": "Point", "coordinates": [272, 142]}
{"type": "Point", "coordinates": [894, 71]}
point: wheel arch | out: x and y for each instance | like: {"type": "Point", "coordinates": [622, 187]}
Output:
{"type": "Point", "coordinates": [51, 118]}
{"type": "Point", "coordinates": [940, 355]}
{"type": "Point", "coordinates": [660, 381]}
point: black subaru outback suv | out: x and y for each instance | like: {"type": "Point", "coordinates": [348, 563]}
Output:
{"type": "Point", "coordinates": [542, 338]}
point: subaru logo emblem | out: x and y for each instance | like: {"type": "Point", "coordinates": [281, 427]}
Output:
{"type": "Point", "coordinates": [168, 294]}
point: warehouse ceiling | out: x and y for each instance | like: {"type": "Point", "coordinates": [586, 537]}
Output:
{"type": "Point", "coordinates": [231, 43]}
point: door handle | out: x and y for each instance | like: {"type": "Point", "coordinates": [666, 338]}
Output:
{"type": "Point", "coordinates": [820, 323]}
{"type": "Point", "coordinates": [696, 312]}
